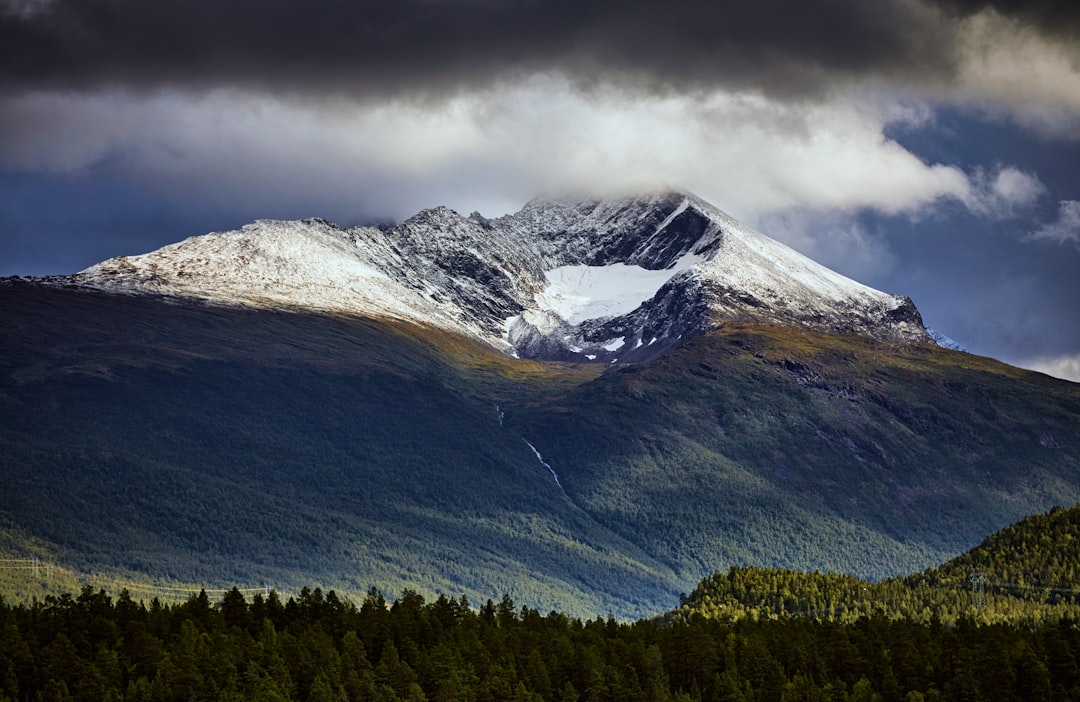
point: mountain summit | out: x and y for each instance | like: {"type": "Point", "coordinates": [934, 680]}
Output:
{"type": "Point", "coordinates": [620, 280]}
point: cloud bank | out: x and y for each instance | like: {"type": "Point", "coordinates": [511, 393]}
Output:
{"type": "Point", "coordinates": [1067, 367]}
{"type": "Point", "coordinates": [497, 148]}
{"type": "Point", "coordinates": [763, 106]}
{"type": "Point", "coordinates": [388, 47]}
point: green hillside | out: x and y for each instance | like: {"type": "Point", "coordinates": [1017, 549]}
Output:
{"type": "Point", "coordinates": [228, 446]}
{"type": "Point", "coordinates": [1023, 574]}
{"type": "Point", "coordinates": [171, 442]}
{"type": "Point", "coordinates": [776, 447]}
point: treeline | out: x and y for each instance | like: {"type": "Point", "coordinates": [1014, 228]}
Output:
{"type": "Point", "coordinates": [318, 646]}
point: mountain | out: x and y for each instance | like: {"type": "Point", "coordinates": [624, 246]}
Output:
{"type": "Point", "coordinates": [297, 403]}
{"type": "Point", "coordinates": [571, 281]}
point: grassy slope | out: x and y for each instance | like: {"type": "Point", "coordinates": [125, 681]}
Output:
{"type": "Point", "coordinates": [223, 446]}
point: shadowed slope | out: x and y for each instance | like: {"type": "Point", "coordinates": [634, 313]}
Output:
{"type": "Point", "coordinates": [230, 445]}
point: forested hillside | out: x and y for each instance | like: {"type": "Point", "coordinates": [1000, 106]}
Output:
{"type": "Point", "coordinates": [154, 439]}
{"type": "Point", "coordinates": [1037, 559]}
{"type": "Point", "coordinates": [1024, 574]}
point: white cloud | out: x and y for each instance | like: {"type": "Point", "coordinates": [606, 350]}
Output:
{"type": "Point", "coordinates": [486, 150]}
{"type": "Point", "coordinates": [1014, 187]}
{"type": "Point", "coordinates": [1066, 230]}
{"type": "Point", "coordinates": [1002, 194]}
{"type": "Point", "coordinates": [1066, 367]}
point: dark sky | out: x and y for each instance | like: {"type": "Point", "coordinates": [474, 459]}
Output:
{"type": "Point", "coordinates": [925, 148]}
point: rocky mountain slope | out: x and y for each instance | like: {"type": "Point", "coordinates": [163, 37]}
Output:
{"type": "Point", "coordinates": [574, 281]}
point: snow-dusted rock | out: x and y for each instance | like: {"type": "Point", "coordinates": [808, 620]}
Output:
{"type": "Point", "coordinates": [565, 280]}
{"type": "Point", "coordinates": [944, 341]}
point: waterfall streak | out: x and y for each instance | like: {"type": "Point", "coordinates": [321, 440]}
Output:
{"type": "Point", "coordinates": [544, 463]}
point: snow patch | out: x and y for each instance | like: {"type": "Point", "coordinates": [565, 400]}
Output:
{"type": "Point", "coordinates": [944, 341]}
{"type": "Point", "coordinates": [577, 293]}
{"type": "Point", "coordinates": [615, 344]}
{"type": "Point", "coordinates": [671, 217]}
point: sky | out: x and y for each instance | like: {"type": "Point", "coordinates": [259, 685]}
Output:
{"type": "Point", "coordinates": [929, 148]}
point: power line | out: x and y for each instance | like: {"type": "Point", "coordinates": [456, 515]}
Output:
{"type": "Point", "coordinates": [1047, 588]}
{"type": "Point", "coordinates": [977, 581]}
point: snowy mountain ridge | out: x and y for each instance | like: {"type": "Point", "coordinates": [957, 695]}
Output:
{"type": "Point", "coordinates": [609, 281]}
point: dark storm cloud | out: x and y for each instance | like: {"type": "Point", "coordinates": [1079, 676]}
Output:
{"type": "Point", "coordinates": [1059, 18]}
{"type": "Point", "coordinates": [385, 46]}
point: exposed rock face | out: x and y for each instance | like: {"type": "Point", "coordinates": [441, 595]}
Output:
{"type": "Point", "coordinates": [569, 280]}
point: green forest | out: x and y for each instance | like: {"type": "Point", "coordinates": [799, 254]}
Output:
{"type": "Point", "coordinates": [748, 634]}
{"type": "Point", "coordinates": [318, 647]}
{"type": "Point", "coordinates": [1023, 575]}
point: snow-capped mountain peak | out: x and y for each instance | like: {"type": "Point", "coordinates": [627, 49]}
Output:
{"type": "Point", "coordinates": [560, 279]}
